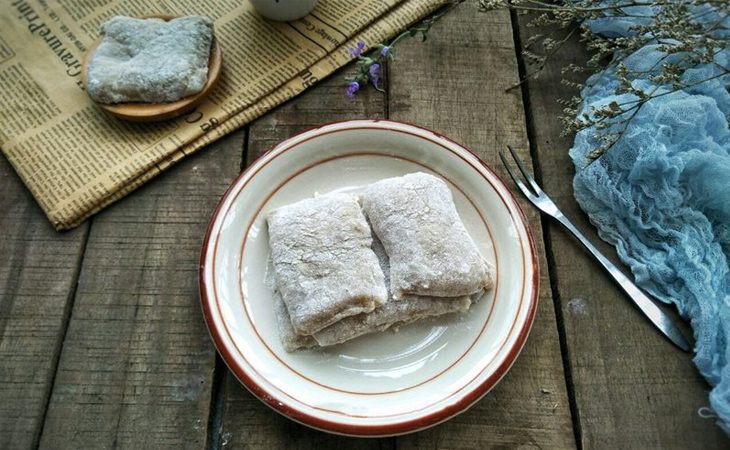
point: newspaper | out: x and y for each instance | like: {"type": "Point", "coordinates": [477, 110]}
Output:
{"type": "Point", "coordinates": [76, 159]}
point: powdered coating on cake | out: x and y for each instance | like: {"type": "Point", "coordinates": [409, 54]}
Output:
{"type": "Point", "coordinates": [289, 338]}
{"type": "Point", "coordinates": [150, 60]}
{"type": "Point", "coordinates": [409, 309]}
{"type": "Point", "coordinates": [391, 313]}
{"type": "Point", "coordinates": [430, 251]}
{"type": "Point", "coordinates": [323, 263]}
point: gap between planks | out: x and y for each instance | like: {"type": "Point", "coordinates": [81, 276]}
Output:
{"type": "Point", "coordinates": [65, 321]}
{"type": "Point", "coordinates": [547, 237]}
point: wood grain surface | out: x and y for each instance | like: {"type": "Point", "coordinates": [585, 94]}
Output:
{"type": "Point", "coordinates": [103, 344]}
{"type": "Point", "coordinates": [136, 370]}
{"type": "Point", "coordinates": [38, 272]}
{"type": "Point", "coordinates": [632, 388]}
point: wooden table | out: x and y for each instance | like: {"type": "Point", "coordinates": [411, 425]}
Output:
{"type": "Point", "coordinates": [102, 340]}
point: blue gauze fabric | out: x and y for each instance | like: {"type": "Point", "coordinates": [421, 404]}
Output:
{"type": "Point", "coordinates": [661, 196]}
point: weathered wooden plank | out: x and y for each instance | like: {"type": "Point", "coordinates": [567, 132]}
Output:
{"type": "Point", "coordinates": [456, 83]}
{"type": "Point", "coordinates": [325, 102]}
{"type": "Point", "coordinates": [246, 422]}
{"type": "Point", "coordinates": [249, 424]}
{"type": "Point", "coordinates": [137, 365]}
{"type": "Point", "coordinates": [633, 389]}
{"type": "Point", "coordinates": [38, 272]}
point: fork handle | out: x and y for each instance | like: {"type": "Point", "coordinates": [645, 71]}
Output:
{"type": "Point", "coordinates": [645, 304]}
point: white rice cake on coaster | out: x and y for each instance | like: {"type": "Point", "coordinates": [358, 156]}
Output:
{"type": "Point", "coordinates": [150, 60]}
{"type": "Point", "coordinates": [323, 263]}
{"type": "Point", "coordinates": [409, 309]}
{"type": "Point", "coordinates": [429, 249]}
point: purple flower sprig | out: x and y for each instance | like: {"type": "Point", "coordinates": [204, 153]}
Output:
{"type": "Point", "coordinates": [357, 50]}
{"type": "Point", "coordinates": [369, 69]}
{"type": "Point", "coordinates": [352, 87]}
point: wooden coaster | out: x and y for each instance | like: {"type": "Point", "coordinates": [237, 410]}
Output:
{"type": "Point", "coordinates": [150, 112]}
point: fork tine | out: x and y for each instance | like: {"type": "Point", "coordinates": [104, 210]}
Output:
{"type": "Point", "coordinates": [524, 171]}
{"type": "Point", "coordinates": [525, 190]}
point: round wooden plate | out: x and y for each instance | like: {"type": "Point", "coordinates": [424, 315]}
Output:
{"type": "Point", "coordinates": [148, 112]}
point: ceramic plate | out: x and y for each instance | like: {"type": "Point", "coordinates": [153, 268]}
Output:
{"type": "Point", "coordinates": [397, 381]}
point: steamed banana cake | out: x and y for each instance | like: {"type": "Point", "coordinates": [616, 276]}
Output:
{"type": "Point", "coordinates": [430, 251]}
{"type": "Point", "coordinates": [324, 266]}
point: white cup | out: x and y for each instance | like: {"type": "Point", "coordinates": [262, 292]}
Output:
{"type": "Point", "coordinates": [284, 10]}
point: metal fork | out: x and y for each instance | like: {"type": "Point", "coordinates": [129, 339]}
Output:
{"type": "Point", "coordinates": [540, 199]}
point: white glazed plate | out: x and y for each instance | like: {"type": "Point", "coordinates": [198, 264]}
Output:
{"type": "Point", "coordinates": [390, 383]}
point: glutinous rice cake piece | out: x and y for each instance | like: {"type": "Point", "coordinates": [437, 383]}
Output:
{"type": "Point", "coordinates": [324, 266]}
{"type": "Point", "coordinates": [430, 250]}
{"type": "Point", "coordinates": [150, 60]}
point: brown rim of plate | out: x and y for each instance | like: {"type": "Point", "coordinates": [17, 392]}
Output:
{"type": "Point", "coordinates": [142, 112]}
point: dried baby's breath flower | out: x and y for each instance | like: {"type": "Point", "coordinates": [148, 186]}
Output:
{"type": "Point", "coordinates": [689, 32]}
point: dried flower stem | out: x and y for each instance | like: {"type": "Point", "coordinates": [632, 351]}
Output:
{"type": "Point", "coordinates": [681, 28]}
{"type": "Point", "coordinates": [369, 68]}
